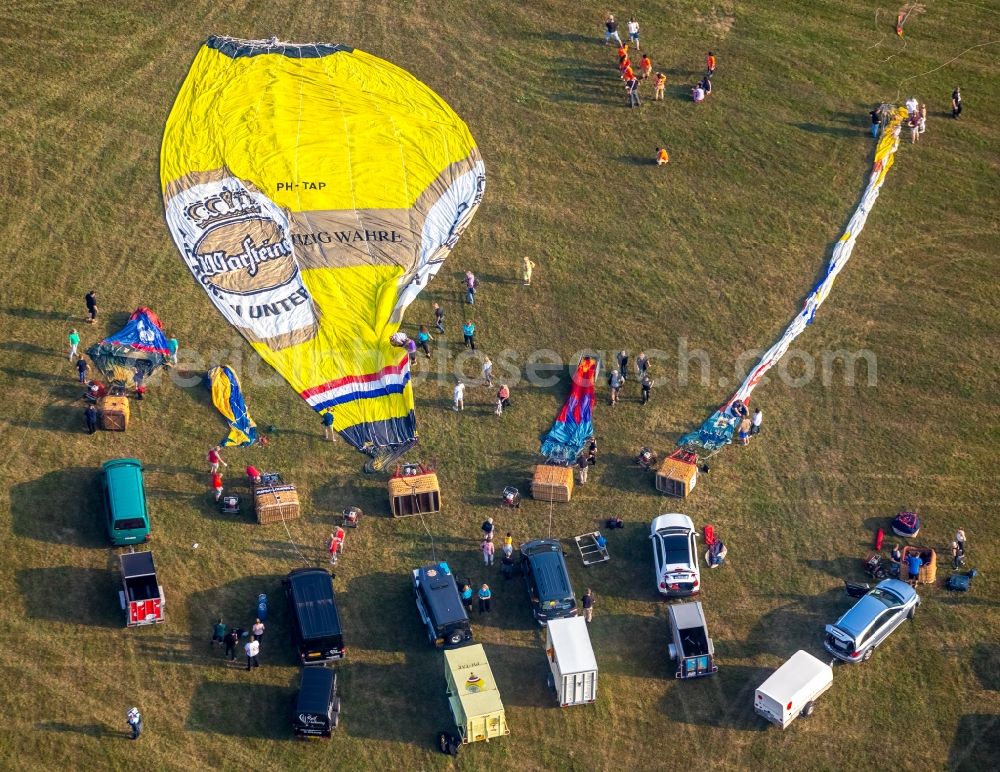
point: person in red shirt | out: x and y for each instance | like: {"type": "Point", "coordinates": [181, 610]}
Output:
{"type": "Point", "coordinates": [252, 474]}
{"type": "Point", "coordinates": [710, 64]}
{"type": "Point", "coordinates": [217, 485]}
{"type": "Point", "coordinates": [214, 459]}
{"type": "Point", "coordinates": [662, 156]}
{"type": "Point", "coordinates": [645, 66]}
{"type": "Point", "coordinates": [622, 52]}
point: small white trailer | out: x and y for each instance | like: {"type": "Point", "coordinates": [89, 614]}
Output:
{"type": "Point", "coordinates": [792, 689]}
{"type": "Point", "coordinates": [571, 660]}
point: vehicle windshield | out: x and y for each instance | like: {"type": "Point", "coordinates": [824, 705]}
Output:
{"type": "Point", "coordinates": [675, 550]}
{"type": "Point", "coordinates": [130, 524]}
{"type": "Point", "coordinates": [890, 599]}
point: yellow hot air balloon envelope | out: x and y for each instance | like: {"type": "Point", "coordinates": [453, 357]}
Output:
{"type": "Point", "coordinates": [313, 190]}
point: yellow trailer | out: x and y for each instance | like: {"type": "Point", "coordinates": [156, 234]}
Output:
{"type": "Point", "coordinates": [473, 696]}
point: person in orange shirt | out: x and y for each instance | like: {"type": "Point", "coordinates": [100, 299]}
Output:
{"type": "Point", "coordinates": [660, 81]}
{"type": "Point", "coordinates": [662, 157]}
{"type": "Point", "coordinates": [628, 74]}
{"type": "Point", "coordinates": [622, 51]}
{"type": "Point", "coordinates": [623, 63]}
{"type": "Point", "coordinates": [710, 64]}
{"type": "Point", "coordinates": [645, 66]}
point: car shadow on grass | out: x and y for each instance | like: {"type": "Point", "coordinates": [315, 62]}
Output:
{"type": "Point", "coordinates": [723, 700]}
{"type": "Point", "coordinates": [986, 665]}
{"type": "Point", "coordinates": [521, 673]}
{"type": "Point", "coordinates": [78, 596]}
{"type": "Point", "coordinates": [385, 602]}
{"type": "Point", "coordinates": [251, 710]}
{"type": "Point", "coordinates": [977, 738]}
{"type": "Point", "coordinates": [631, 645]}
{"type": "Point", "coordinates": [61, 507]}
{"type": "Point", "coordinates": [800, 629]}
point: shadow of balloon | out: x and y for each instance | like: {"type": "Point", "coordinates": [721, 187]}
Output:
{"type": "Point", "coordinates": [71, 502]}
{"type": "Point", "coordinates": [977, 738]}
{"type": "Point", "coordinates": [250, 710]}
{"type": "Point", "coordinates": [87, 596]}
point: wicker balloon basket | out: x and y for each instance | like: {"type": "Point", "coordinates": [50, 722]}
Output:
{"type": "Point", "coordinates": [928, 571]}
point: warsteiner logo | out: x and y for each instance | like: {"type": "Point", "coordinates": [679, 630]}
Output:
{"type": "Point", "coordinates": [243, 256]}
{"type": "Point", "coordinates": [224, 205]}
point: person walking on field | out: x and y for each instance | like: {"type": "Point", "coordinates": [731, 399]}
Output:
{"type": "Point", "coordinates": [439, 319]}
{"type": "Point", "coordinates": [659, 83]}
{"type": "Point", "coordinates": [258, 630]}
{"type": "Point", "coordinates": [423, 340]}
{"type": "Point", "coordinates": [632, 27]}
{"type": "Point", "coordinates": [529, 266]}
{"type": "Point", "coordinates": [485, 596]}
{"type": "Point", "coordinates": [90, 416]}
{"type": "Point", "coordinates": [755, 422]}
{"type": "Point", "coordinates": [172, 346]}
{"type": "Point", "coordinates": [328, 432]}
{"type": "Point", "coordinates": [214, 459]}
{"type": "Point", "coordinates": [623, 364]}
{"type": "Point", "coordinates": [488, 372]}
{"type": "Point", "coordinates": [74, 343]}
{"type": "Point", "coordinates": [615, 381]}
{"type": "Point", "coordinates": [503, 398]}
{"type": "Point", "coordinates": [467, 597]}
{"type": "Point", "coordinates": [710, 64]}
{"type": "Point", "coordinates": [469, 332]}
{"type": "Point", "coordinates": [611, 30]}
{"type": "Point", "coordinates": [588, 605]}
{"type": "Point", "coordinates": [81, 369]}
{"type": "Point", "coordinates": [471, 284]}
{"type": "Point", "coordinates": [956, 102]}
{"type": "Point", "coordinates": [232, 639]}
{"type": "Point", "coordinates": [960, 540]}
{"type": "Point", "coordinates": [488, 529]}
{"type": "Point", "coordinates": [252, 649]}
{"type": "Point", "coordinates": [647, 384]}
{"type": "Point", "coordinates": [488, 550]}
{"type": "Point", "coordinates": [134, 720]}
{"type": "Point", "coordinates": [217, 485]}
{"type": "Point", "coordinates": [582, 467]}
{"type": "Point", "coordinates": [458, 396]}
{"type": "Point", "coordinates": [91, 301]}
{"type": "Point", "coordinates": [218, 633]}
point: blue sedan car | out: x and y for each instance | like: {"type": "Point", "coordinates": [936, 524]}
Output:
{"type": "Point", "coordinates": [854, 636]}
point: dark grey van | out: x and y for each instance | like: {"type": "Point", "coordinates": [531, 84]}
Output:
{"type": "Point", "coordinates": [440, 606]}
{"type": "Point", "coordinates": [545, 574]}
{"type": "Point", "coordinates": [317, 709]}
{"type": "Point", "coordinates": [315, 618]}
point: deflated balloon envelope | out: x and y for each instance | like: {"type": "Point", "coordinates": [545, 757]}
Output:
{"type": "Point", "coordinates": [313, 190]}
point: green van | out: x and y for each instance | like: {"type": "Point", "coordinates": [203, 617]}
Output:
{"type": "Point", "coordinates": [124, 501]}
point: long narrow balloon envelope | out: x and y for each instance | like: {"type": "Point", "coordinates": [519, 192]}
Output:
{"type": "Point", "coordinates": [140, 346]}
{"type": "Point", "coordinates": [227, 396]}
{"type": "Point", "coordinates": [313, 191]}
{"type": "Point", "coordinates": [718, 429]}
{"type": "Point", "coordinates": [574, 425]}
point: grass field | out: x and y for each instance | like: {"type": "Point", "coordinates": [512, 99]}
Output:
{"type": "Point", "coordinates": [713, 253]}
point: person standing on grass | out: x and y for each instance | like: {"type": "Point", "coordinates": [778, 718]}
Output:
{"type": "Point", "coordinates": [582, 467]}
{"type": "Point", "coordinates": [592, 452]}
{"type": "Point", "coordinates": [710, 64]}
{"type": "Point", "coordinates": [172, 346]}
{"type": "Point", "coordinates": [74, 342]}
{"type": "Point", "coordinates": [744, 431]}
{"type": "Point", "coordinates": [488, 550]}
{"type": "Point", "coordinates": [232, 639]}
{"type": "Point", "coordinates": [488, 372]}
{"type": "Point", "coordinates": [588, 605]}
{"type": "Point", "coordinates": [662, 156]}
{"type": "Point", "coordinates": [328, 433]}
{"type": "Point", "coordinates": [641, 364]}
{"type": "Point", "coordinates": [698, 94]}
{"type": "Point", "coordinates": [922, 124]}
{"type": "Point", "coordinates": [755, 422]}
{"type": "Point", "coordinates": [81, 369]}
{"type": "Point", "coordinates": [529, 266]}
{"type": "Point", "coordinates": [645, 67]}
{"type": "Point", "coordinates": [467, 597]}
{"type": "Point", "coordinates": [411, 349]}
{"type": "Point", "coordinates": [876, 116]}
{"type": "Point", "coordinates": [507, 564]}
{"type": "Point", "coordinates": [956, 555]}
{"type": "Point", "coordinates": [469, 332]}
{"type": "Point", "coordinates": [611, 30]}
{"type": "Point", "coordinates": [622, 359]}
{"type": "Point", "coordinates": [134, 720]}
{"type": "Point", "coordinates": [503, 398]}
{"type": "Point", "coordinates": [615, 381]}
{"type": "Point", "coordinates": [258, 630]}
{"type": "Point", "coordinates": [956, 102]}
{"type": "Point", "coordinates": [91, 301]}
{"type": "Point", "coordinates": [458, 396]}
{"type": "Point", "coordinates": [960, 539]}
{"type": "Point", "coordinates": [632, 27]}
{"type": "Point", "coordinates": [485, 596]}
{"type": "Point", "coordinates": [632, 92]}
{"type": "Point", "coordinates": [487, 528]}
{"type": "Point", "coordinates": [252, 650]}
{"type": "Point", "coordinates": [217, 485]}
{"type": "Point", "coordinates": [423, 339]}
{"type": "Point", "coordinates": [471, 284]}
{"type": "Point", "coordinates": [647, 384]}
{"type": "Point", "coordinates": [439, 319]}
{"type": "Point", "coordinates": [218, 633]}
{"type": "Point", "coordinates": [214, 459]}
{"type": "Point", "coordinates": [913, 563]}
{"type": "Point", "coordinates": [659, 83]}
{"type": "Point", "coordinates": [90, 416]}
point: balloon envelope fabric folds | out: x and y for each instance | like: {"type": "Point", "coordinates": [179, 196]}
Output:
{"type": "Point", "coordinates": [313, 190]}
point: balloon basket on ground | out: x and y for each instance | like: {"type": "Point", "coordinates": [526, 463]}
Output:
{"type": "Point", "coordinates": [552, 483]}
{"type": "Point", "coordinates": [114, 413]}
{"type": "Point", "coordinates": [928, 571]}
{"type": "Point", "coordinates": [414, 490]}
{"type": "Point", "coordinates": [678, 474]}
{"type": "Point", "coordinates": [275, 501]}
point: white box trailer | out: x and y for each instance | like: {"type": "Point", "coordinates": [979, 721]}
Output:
{"type": "Point", "coordinates": [571, 659]}
{"type": "Point", "coordinates": [792, 689]}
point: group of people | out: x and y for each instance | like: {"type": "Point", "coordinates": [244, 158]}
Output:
{"type": "Point", "coordinates": [619, 375]}
{"type": "Point", "coordinates": [915, 561]}
{"type": "Point", "coordinates": [585, 460]}
{"type": "Point", "coordinates": [230, 639]}
{"type": "Point", "coordinates": [748, 426]}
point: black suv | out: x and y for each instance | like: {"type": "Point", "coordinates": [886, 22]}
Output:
{"type": "Point", "coordinates": [548, 580]}
{"type": "Point", "coordinates": [440, 606]}
{"type": "Point", "coordinates": [315, 619]}
{"type": "Point", "coordinates": [317, 709]}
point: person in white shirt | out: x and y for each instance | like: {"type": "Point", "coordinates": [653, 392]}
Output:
{"type": "Point", "coordinates": [258, 630]}
{"type": "Point", "coordinates": [252, 649]}
{"type": "Point", "coordinates": [633, 32]}
{"type": "Point", "coordinates": [488, 372]}
{"type": "Point", "coordinates": [458, 395]}
{"type": "Point", "coordinates": [698, 94]}
{"type": "Point", "coordinates": [758, 417]}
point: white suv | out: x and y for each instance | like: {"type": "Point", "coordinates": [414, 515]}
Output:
{"type": "Point", "coordinates": [675, 555]}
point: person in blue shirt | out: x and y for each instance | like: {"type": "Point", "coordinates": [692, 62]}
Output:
{"type": "Point", "coordinates": [467, 597]}
{"type": "Point", "coordinates": [484, 598]}
{"type": "Point", "coordinates": [913, 563]}
{"type": "Point", "coordinates": [329, 434]}
{"type": "Point", "coordinates": [423, 340]}
{"type": "Point", "coordinates": [469, 331]}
